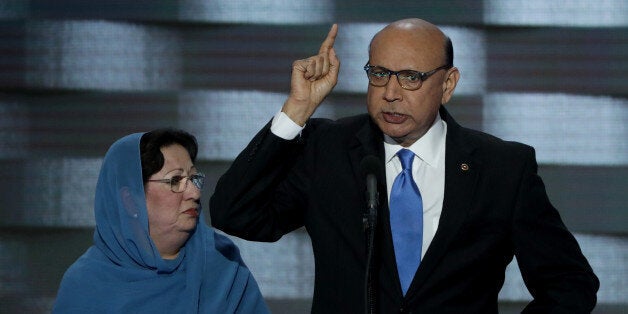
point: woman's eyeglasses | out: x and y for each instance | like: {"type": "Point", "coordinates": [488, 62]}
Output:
{"type": "Point", "coordinates": [178, 184]}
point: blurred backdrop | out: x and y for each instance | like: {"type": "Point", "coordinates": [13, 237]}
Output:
{"type": "Point", "coordinates": [76, 75]}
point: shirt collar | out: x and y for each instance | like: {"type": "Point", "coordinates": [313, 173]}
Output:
{"type": "Point", "coordinates": [428, 147]}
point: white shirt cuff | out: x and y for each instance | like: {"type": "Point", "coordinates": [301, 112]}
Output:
{"type": "Point", "coordinates": [284, 127]}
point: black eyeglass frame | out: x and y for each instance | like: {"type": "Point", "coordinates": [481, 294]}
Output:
{"type": "Point", "coordinates": [421, 75]}
{"type": "Point", "coordinates": [197, 179]}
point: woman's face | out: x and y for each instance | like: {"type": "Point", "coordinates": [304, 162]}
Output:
{"type": "Point", "coordinates": [172, 215]}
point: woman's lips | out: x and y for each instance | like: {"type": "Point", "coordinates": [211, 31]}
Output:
{"type": "Point", "coordinates": [393, 117]}
{"type": "Point", "coordinates": [192, 212]}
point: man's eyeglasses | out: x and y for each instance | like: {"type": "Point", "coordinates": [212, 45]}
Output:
{"type": "Point", "coordinates": [178, 184]}
{"type": "Point", "coordinates": [408, 79]}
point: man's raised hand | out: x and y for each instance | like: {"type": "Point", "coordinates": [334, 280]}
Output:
{"type": "Point", "coordinates": [312, 80]}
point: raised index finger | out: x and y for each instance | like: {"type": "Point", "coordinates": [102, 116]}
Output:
{"type": "Point", "coordinates": [329, 41]}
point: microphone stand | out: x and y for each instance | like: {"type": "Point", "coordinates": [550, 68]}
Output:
{"type": "Point", "coordinates": [370, 223]}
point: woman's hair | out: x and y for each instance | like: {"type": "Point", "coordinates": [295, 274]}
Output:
{"type": "Point", "coordinates": [152, 142]}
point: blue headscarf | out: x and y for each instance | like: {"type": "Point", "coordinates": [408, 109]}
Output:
{"type": "Point", "coordinates": [124, 273]}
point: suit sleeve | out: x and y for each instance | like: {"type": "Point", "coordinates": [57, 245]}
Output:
{"type": "Point", "coordinates": [552, 265]}
{"type": "Point", "coordinates": [253, 199]}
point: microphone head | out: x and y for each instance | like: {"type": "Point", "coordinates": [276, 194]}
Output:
{"type": "Point", "coordinates": [371, 168]}
{"type": "Point", "coordinates": [370, 165]}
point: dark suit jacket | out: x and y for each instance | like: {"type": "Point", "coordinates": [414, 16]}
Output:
{"type": "Point", "coordinates": [493, 209]}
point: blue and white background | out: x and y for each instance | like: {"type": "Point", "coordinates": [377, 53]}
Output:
{"type": "Point", "coordinates": [76, 75]}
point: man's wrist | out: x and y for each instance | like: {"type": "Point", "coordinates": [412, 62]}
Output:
{"type": "Point", "coordinates": [285, 127]}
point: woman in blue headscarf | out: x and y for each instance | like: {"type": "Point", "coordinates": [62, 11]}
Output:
{"type": "Point", "coordinates": [153, 251]}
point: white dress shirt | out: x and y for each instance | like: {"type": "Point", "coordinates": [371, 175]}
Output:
{"type": "Point", "coordinates": [428, 172]}
{"type": "Point", "coordinates": [428, 167]}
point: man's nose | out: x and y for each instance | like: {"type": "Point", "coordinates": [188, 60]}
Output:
{"type": "Point", "coordinates": [393, 89]}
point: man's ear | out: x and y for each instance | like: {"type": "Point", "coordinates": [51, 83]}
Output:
{"type": "Point", "coordinates": [449, 84]}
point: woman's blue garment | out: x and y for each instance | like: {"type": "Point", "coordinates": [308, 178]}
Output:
{"type": "Point", "coordinates": [123, 271]}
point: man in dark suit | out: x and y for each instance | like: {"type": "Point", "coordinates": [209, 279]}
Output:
{"type": "Point", "coordinates": [455, 204]}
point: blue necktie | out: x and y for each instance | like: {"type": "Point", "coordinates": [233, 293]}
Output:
{"type": "Point", "coordinates": [406, 221]}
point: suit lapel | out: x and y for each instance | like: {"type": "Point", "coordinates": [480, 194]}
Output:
{"type": "Point", "coordinates": [367, 142]}
{"type": "Point", "coordinates": [461, 173]}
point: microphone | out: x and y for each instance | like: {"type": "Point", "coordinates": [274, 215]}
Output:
{"type": "Point", "coordinates": [370, 167]}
